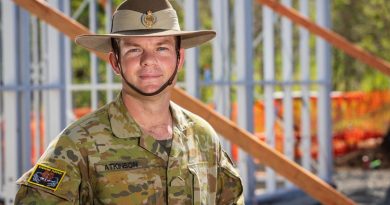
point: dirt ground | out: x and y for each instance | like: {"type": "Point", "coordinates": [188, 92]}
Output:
{"type": "Point", "coordinates": [365, 187]}
{"type": "Point", "coordinates": [364, 175]}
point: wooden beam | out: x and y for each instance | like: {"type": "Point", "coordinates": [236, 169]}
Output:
{"type": "Point", "coordinates": [304, 179]}
{"type": "Point", "coordinates": [331, 37]}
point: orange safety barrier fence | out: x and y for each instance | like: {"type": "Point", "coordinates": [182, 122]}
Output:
{"type": "Point", "coordinates": [360, 120]}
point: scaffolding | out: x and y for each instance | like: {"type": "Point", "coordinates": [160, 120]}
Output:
{"type": "Point", "coordinates": [38, 86]}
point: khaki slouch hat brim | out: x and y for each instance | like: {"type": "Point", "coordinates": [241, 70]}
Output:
{"type": "Point", "coordinates": [144, 18]}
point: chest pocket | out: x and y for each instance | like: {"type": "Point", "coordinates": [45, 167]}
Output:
{"type": "Point", "coordinates": [136, 185]}
{"type": "Point", "coordinates": [201, 186]}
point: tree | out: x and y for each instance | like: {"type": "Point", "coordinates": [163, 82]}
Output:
{"type": "Point", "coordinates": [367, 24]}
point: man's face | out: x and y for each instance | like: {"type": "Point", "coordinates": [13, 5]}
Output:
{"type": "Point", "coordinates": [148, 62]}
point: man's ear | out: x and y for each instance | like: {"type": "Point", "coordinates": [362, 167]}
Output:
{"type": "Point", "coordinates": [114, 63]}
{"type": "Point", "coordinates": [181, 61]}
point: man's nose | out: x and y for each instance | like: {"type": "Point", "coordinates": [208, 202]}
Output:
{"type": "Point", "coordinates": [148, 58]}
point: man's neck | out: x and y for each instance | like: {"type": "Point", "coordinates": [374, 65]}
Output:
{"type": "Point", "coordinates": [152, 114]}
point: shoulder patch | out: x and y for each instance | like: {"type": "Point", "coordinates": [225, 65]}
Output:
{"type": "Point", "coordinates": [46, 177]}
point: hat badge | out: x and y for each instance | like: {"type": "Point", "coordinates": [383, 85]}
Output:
{"type": "Point", "coordinates": [148, 19]}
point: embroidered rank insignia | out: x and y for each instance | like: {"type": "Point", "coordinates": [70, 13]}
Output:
{"type": "Point", "coordinates": [46, 177]}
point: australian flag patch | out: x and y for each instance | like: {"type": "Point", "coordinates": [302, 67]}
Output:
{"type": "Point", "coordinates": [46, 177]}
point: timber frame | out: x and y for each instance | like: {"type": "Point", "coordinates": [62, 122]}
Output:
{"type": "Point", "coordinates": [304, 179]}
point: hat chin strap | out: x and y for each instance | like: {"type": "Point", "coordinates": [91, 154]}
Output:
{"type": "Point", "coordinates": [165, 85]}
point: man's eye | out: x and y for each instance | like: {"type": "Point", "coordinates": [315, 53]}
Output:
{"type": "Point", "coordinates": [162, 48]}
{"type": "Point", "coordinates": [133, 50]}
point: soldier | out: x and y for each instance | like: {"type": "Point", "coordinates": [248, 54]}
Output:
{"type": "Point", "coordinates": [140, 148]}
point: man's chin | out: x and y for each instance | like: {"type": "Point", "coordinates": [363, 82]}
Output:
{"type": "Point", "coordinates": [150, 89]}
{"type": "Point", "coordinates": [146, 88]}
{"type": "Point", "coordinates": [153, 89]}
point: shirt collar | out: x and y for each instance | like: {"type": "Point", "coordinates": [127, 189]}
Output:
{"type": "Point", "coordinates": [180, 118]}
{"type": "Point", "coordinates": [124, 126]}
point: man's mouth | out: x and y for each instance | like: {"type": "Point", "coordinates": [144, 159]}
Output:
{"type": "Point", "coordinates": [150, 76]}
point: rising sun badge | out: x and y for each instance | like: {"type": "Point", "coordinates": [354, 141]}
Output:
{"type": "Point", "coordinates": [148, 19]}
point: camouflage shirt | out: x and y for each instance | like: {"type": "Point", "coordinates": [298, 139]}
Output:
{"type": "Point", "coordinates": [104, 158]}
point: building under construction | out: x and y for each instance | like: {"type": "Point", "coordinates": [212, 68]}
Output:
{"type": "Point", "coordinates": [262, 109]}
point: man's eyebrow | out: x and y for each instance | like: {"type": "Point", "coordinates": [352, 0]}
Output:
{"type": "Point", "coordinates": [131, 44]}
{"type": "Point", "coordinates": [159, 43]}
{"type": "Point", "coordinates": [164, 42]}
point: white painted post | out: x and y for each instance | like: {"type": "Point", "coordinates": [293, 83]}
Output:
{"type": "Point", "coordinates": [269, 78]}
{"type": "Point", "coordinates": [10, 61]}
{"type": "Point", "coordinates": [304, 55]}
{"type": "Point", "coordinates": [68, 70]}
{"type": "Point", "coordinates": [35, 69]}
{"type": "Point", "coordinates": [53, 99]}
{"type": "Point", "coordinates": [109, 72]}
{"type": "Point", "coordinates": [244, 69]}
{"type": "Point", "coordinates": [24, 100]}
{"type": "Point", "coordinates": [221, 60]}
{"type": "Point", "coordinates": [287, 64]}
{"type": "Point", "coordinates": [93, 57]}
{"type": "Point", "coordinates": [192, 55]}
{"type": "Point", "coordinates": [324, 132]}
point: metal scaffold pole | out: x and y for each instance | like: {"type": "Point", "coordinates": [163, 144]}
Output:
{"type": "Point", "coordinates": [9, 39]}
{"type": "Point", "coordinates": [324, 75]}
{"type": "Point", "coordinates": [192, 55]}
{"type": "Point", "coordinates": [244, 69]}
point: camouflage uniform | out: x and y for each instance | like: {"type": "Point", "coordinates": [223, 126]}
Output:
{"type": "Point", "coordinates": [104, 158]}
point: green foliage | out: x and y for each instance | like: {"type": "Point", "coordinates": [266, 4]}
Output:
{"type": "Point", "coordinates": [83, 99]}
{"type": "Point", "coordinates": [80, 65]}
{"type": "Point", "coordinates": [367, 24]}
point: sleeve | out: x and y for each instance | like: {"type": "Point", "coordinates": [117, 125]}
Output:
{"type": "Point", "coordinates": [56, 177]}
{"type": "Point", "coordinates": [29, 195]}
{"type": "Point", "coordinates": [230, 189]}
